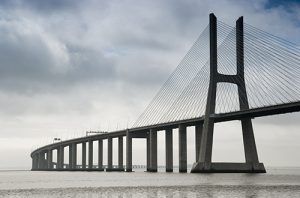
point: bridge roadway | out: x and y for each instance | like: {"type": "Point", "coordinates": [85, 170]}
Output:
{"type": "Point", "coordinates": [42, 158]}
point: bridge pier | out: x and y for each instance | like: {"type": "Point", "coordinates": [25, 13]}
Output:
{"type": "Point", "coordinates": [90, 165]}
{"type": "Point", "coordinates": [41, 160]}
{"type": "Point", "coordinates": [100, 155]}
{"type": "Point", "coordinates": [74, 156]}
{"type": "Point", "coordinates": [198, 136]}
{"type": "Point", "coordinates": [34, 162]}
{"type": "Point", "coordinates": [49, 160]}
{"type": "Point", "coordinates": [148, 153]}
{"type": "Point", "coordinates": [169, 150]}
{"type": "Point", "coordinates": [128, 152]}
{"type": "Point", "coordinates": [109, 154]}
{"type": "Point", "coordinates": [57, 158]}
{"type": "Point", "coordinates": [182, 149]}
{"type": "Point", "coordinates": [153, 150]}
{"type": "Point", "coordinates": [120, 152]}
{"type": "Point", "coordinates": [61, 158]}
{"type": "Point", "coordinates": [83, 155]}
{"type": "Point", "coordinates": [70, 156]}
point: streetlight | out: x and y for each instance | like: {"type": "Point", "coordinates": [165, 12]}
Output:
{"type": "Point", "coordinates": [56, 139]}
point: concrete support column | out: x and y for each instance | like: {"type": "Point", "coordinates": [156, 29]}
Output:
{"type": "Point", "coordinates": [41, 160]}
{"type": "Point", "coordinates": [70, 156]}
{"type": "Point", "coordinates": [198, 135]}
{"type": "Point", "coordinates": [182, 149]}
{"type": "Point", "coordinates": [128, 152]}
{"type": "Point", "coordinates": [57, 158]}
{"type": "Point", "coordinates": [100, 154]}
{"type": "Point", "coordinates": [148, 153]}
{"type": "Point", "coordinates": [49, 159]}
{"type": "Point", "coordinates": [33, 163]}
{"type": "Point", "coordinates": [90, 154]}
{"type": "Point", "coordinates": [74, 156]}
{"type": "Point", "coordinates": [169, 150]}
{"type": "Point", "coordinates": [36, 161]}
{"type": "Point", "coordinates": [83, 155]}
{"type": "Point", "coordinates": [62, 157]}
{"type": "Point", "coordinates": [120, 148]}
{"type": "Point", "coordinates": [109, 153]}
{"type": "Point", "coordinates": [153, 150]}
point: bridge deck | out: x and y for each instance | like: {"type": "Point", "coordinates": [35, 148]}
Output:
{"type": "Point", "coordinates": [238, 115]}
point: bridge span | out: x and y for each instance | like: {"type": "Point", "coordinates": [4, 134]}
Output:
{"type": "Point", "coordinates": [254, 74]}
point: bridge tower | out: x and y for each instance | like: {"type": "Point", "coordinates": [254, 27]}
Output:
{"type": "Point", "coordinates": [204, 163]}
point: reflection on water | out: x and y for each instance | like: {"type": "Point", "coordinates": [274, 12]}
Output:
{"type": "Point", "coordinates": [157, 192]}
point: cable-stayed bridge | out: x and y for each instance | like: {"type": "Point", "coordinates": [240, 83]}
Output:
{"type": "Point", "coordinates": [230, 73]}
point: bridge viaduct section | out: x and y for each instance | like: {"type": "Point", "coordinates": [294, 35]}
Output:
{"type": "Point", "coordinates": [42, 158]}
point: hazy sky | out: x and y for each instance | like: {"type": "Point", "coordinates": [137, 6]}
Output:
{"type": "Point", "coordinates": [68, 66]}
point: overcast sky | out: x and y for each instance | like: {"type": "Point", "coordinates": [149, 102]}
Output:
{"type": "Point", "coordinates": [68, 66]}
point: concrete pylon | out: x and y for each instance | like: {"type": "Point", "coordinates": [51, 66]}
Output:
{"type": "Point", "coordinates": [41, 160]}
{"type": "Point", "coordinates": [70, 156]}
{"type": "Point", "coordinates": [198, 136]}
{"type": "Point", "coordinates": [83, 155]}
{"type": "Point", "coordinates": [100, 155]}
{"type": "Point", "coordinates": [49, 159]}
{"type": "Point", "coordinates": [60, 157]}
{"type": "Point", "coordinates": [128, 152]}
{"type": "Point", "coordinates": [90, 165]}
{"type": "Point", "coordinates": [57, 158]}
{"type": "Point", "coordinates": [153, 150]}
{"type": "Point", "coordinates": [35, 162]}
{"type": "Point", "coordinates": [148, 153]}
{"type": "Point", "coordinates": [74, 156]}
{"type": "Point", "coordinates": [109, 153]}
{"type": "Point", "coordinates": [182, 148]}
{"type": "Point", "coordinates": [169, 150]}
{"type": "Point", "coordinates": [204, 163]}
{"type": "Point", "coordinates": [120, 152]}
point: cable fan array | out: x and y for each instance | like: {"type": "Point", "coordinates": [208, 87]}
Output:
{"type": "Point", "coordinates": [271, 69]}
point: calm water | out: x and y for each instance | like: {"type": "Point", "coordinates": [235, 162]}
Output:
{"type": "Point", "coordinates": [276, 183]}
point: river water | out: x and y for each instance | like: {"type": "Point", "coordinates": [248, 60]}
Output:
{"type": "Point", "coordinates": [278, 182]}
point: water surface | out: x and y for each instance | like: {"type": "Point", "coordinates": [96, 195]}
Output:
{"type": "Point", "coordinates": [276, 183]}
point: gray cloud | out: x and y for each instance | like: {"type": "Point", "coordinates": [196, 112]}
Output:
{"type": "Point", "coordinates": [42, 6]}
